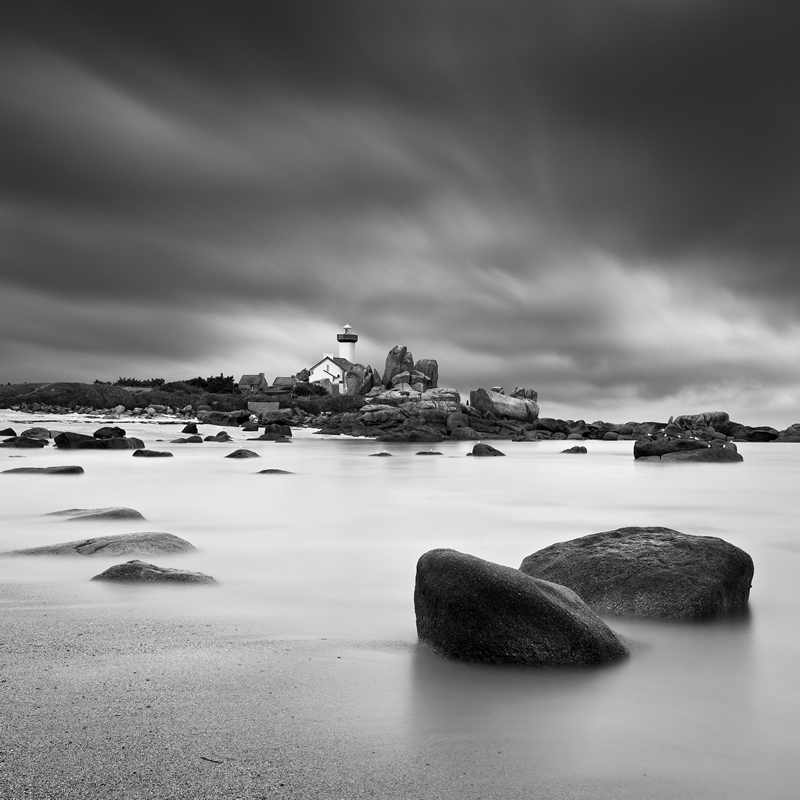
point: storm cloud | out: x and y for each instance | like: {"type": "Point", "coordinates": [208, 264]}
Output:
{"type": "Point", "coordinates": [595, 199]}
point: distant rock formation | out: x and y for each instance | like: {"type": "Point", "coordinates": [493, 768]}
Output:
{"type": "Point", "coordinates": [97, 514]}
{"type": "Point", "coordinates": [60, 470]}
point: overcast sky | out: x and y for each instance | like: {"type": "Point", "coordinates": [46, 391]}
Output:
{"type": "Point", "coordinates": [599, 200]}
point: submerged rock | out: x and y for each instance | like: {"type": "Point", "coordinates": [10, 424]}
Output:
{"type": "Point", "coordinates": [24, 441]}
{"type": "Point", "coordinates": [146, 543]}
{"type": "Point", "coordinates": [61, 470]}
{"type": "Point", "coordinates": [274, 472]}
{"type": "Point", "coordinates": [473, 610]}
{"type": "Point", "coordinates": [243, 452]}
{"type": "Point", "coordinates": [482, 449]}
{"type": "Point", "coordinates": [577, 449]}
{"type": "Point", "coordinates": [109, 433]}
{"type": "Point", "coordinates": [152, 454]}
{"type": "Point", "coordinates": [97, 514]}
{"type": "Point", "coordinates": [142, 572]}
{"type": "Point", "coordinates": [428, 453]}
{"type": "Point", "coordinates": [649, 572]}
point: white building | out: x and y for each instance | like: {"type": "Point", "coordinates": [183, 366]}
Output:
{"type": "Point", "coordinates": [333, 368]}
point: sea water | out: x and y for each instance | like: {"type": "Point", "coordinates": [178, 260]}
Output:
{"type": "Point", "coordinates": [329, 551]}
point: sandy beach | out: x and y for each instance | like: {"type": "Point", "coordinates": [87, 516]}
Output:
{"type": "Point", "coordinates": [188, 708]}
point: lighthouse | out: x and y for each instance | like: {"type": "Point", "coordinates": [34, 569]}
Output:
{"type": "Point", "coordinates": [347, 344]}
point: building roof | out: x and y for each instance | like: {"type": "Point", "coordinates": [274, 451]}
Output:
{"type": "Point", "coordinates": [251, 380]}
{"type": "Point", "coordinates": [343, 363]}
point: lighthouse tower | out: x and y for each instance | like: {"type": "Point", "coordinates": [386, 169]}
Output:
{"type": "Point", "coordinates": [347, 344]}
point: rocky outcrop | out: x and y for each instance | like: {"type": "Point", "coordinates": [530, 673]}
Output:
{"type": "Point", "coordinates": [473, 610]}
{"type": "Point", "coordinates": [397, 360]}
{"type": "Point", "coordinates": [111, 513]}
{"type": "Point", "coordinates": [141, 572]}
{"type": "Point", "coordinates": [358, 380]}
{"type": "Point", "coordinates": [60, 470]}
{"type": "Point", "coordinates": [501, 406]}
{"type": "Point", "coordinates": [146, 543]}
{"type": "Point", "coordinates": [649, 572]}
{"type": "Point", "coordinates": [429, 367]}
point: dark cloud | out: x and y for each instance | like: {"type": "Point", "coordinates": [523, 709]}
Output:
{"type": "Point", "coordinates": [597, 198]}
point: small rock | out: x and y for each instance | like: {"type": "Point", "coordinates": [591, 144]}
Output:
{"type": "Point", "coordinates": [109, 433]}
{"type": "Point", "coordinates": [142, 572]}
{"type": "Point", "coordinates": [61, 470]}
{"type": "Point", "coordinates": [576, 449]}
{"type": "Point", "coordinates": [482, 449]}
{"type": "Point", "coordinates": [152, 454]}
{"type": "Point", "coordinates": [243, 453]}
{"type": "Point", "coordinates": [274, 472]}
{"type": "Point", "coordinates": [382, 454]}
{"type": "Point", "coordinates": [97, 514]}
{"type": "Point", "coordinates": [428, 453]}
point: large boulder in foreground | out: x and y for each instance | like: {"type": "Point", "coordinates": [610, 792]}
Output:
{"type": "Point", "coordinates": [142, 572]}
{"type": "Point", "coordinates": [473, 610]}
{"type": "Point", "coordinates": [649, 572]}
{"type": "Point", "coordinates": [146, 543]}
{"type": "Point", "coordinates": [111, 513]}
{"type": "Point", "coordinates": [502, 406]}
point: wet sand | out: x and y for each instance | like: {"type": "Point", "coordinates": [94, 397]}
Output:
{"type": "Point", "coordinates": [112, 702]}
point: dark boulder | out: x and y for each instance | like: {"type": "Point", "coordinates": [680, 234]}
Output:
{"type": "Point", "coordinates": [473, 610]}
{"type": "Point", "coordinates": [577, 449]}
{"type": "Point", "coordinates": [146, 543]}
{"type": "Point", "coordinates": [61, 470]}
{"type": "Point", "coordinates": [121, 443]}
{"type": "Point", "coordinates": [24, 441]}
{"type": "Point", "coordinates": [188, 440]}
{"type": "Point", "coordinates": [649, 572]}
{"type": "Point", "coordinates": [8, 432]}
{"type": "Point", "coordinates": [152, 454]}
{"type": "Point", "coordinates": [222, 436]}
{"type": "Point", "coordinates": [429, 367]}
{"type": "Point", "coordinates": [762, 433]}
{"type": "Point", "coordinates": [109, 433]}
{"type": "Point", "coordinates": [412, 431]}
{"type": "Point", "coordinates": [141, 572]}
{"type": "Point", "coordinates": [190, 428]}
{"type": "Point", "coordinates": [464, 434]}
{"type": "Point", "coordinates": [68, 439]}
{"type": "Point", "coordinates": [243, 453]}
{"type": "Point", "coordinates": [382, 454]}
{"type": "Point", "coordinates": [428, 453]}
{"type": "Point", "coordinates": [717, 451]}
{"type": "Point", "coordinates": [274, 472]}
{"type": "Point", "coordinates": [112, 513]}
{"type": "Point", "coordinates": [37, 433]}
{"type": "Point", "coordinates": [482, 449]}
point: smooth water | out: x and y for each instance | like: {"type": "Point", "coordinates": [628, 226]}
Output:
{"type": "Point", "coordinates": [710, 710]}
